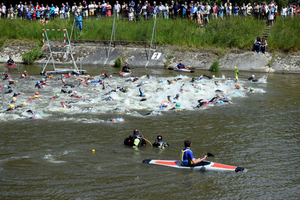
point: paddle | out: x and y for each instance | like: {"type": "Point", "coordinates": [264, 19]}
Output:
{"type": "Point", "coordinates": [210, 155]}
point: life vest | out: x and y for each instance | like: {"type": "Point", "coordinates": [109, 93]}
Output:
{"type": "Point", "coordinates": [190, 162]}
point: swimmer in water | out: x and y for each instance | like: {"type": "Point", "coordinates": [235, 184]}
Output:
{"type": "Point", "coordinates": [252, 79]}
{"type": "Point", "coordinates": [23, 105]}
{"type": "Point", "coordinates": [159, 143]}
{"type": "Point", "coordinates": [14, 100]}
{"type": "Point", "coordinates": [55, 97]}
{"type": "Point", "coordinates": [11, 107]}
{"type": "Point", "coordinates": [75, 95]}
{"type": "Point", "coordinates": [65, 106]}
{"type": "Point", "coordinates": [141, 93]}
{"type": "Point", "coordinates": [109, 98]}
{"type": "Point", "coordinates": [17, 94]}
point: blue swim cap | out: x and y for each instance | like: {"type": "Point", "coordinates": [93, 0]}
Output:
{"type": "Point", "coordinates": [152, 77]}
{"type": "Point", "coordinates": [162, 80]}
{"type": "Point", "coordinates": [117, 119]}
{"type": "Point", "coordinates": [201, 81]}
{"type": "Point", "coordinates": [5, 86]}
{"type": "Point", "coordinates": [225, 98]}
{"type": "Point", "coordinates": [142, 83]}
{"type": "Point", "coordinates": [237, 93]}
{"type": "Point", "coordinates": [38, 82]}
{"type": "Point", "coordinates": [201, 77]}
{"type": "Point", "coordinates": [192, 84]}
{"type": "Point", "coordinates": [221, 102]}
{"type": "Point", "coordinates": [100, 80]}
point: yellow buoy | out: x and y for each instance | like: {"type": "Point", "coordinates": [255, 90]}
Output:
{"type": "Point", "coordinates": [93, 150]}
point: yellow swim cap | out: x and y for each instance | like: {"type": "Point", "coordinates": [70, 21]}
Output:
{"type": "Point", "coordinates": [35, 96]}
{"type": "Point", "coordinates": [24, 104]}
{"type": "Point", "coordinates": [11, 106]}
{"type": "Point", "coordinates": [16, 81]}
{"type": "Point", "coordinates": [14, 98]}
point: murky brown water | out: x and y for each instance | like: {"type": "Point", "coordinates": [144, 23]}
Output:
{"type": "Point", "coordinates": [53, 158]}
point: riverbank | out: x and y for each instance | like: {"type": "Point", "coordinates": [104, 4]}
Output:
{"type": "Point", "coordinates": [136, 56]}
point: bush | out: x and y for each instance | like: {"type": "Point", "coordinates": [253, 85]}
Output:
{"type": "Point", "coordinates": [214, 67]}
{"type": "Point", "coordinates": [118, 62]}
{"type": "Point", "coordinates": [31, 56]}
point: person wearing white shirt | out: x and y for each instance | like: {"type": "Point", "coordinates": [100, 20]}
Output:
{"type": "Point", "coordinates": [91, 9]}
{"type": "Point", "coordinates": [3, 10]}
{"type": "Point", "coordinates": [56, 11]}
{"type": "Point", "coordinates": [284, 11]}
{"type": "Point", "coordinates": [117, 9]}
{"type": "Point", "coordinates": [160, 10]}
{"type": "Point", "coordinates": [62, 13]}
{"type": "Point", "coordinates": [74, 10]}
{"type": "Point", "coordinates": [228, 9]}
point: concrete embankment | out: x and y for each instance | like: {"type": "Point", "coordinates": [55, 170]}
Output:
{"type": "Point", "coordinates": [96, 54]}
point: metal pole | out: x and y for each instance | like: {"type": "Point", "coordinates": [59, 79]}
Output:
{"type": "Point", "coordinates": [80, 63]}
{"type": "Point", "coordinates": [114, 32]}
{"type": "Point", "coordinates": [151, 42]}
{"type": "Point", "coordinates": [111, 39]}
{"type": "Point", "coordinates": [72, 31]}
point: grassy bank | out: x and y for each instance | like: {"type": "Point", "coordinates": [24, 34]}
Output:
{"type": "Point", "coordinates": [235, 33]}
{"type": "Point", "coordinates": [284, 35]}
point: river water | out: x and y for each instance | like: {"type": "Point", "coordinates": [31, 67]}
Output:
{"type": "Point", "coordinates": [52, 158]}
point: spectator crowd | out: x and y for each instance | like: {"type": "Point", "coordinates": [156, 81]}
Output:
{"type": "Point", "coordinates": [198, 11]}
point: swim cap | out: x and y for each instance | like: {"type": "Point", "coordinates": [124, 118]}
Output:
{"type": "Point", "coordinates": [192, 84]}
{"type": "Point", "coordinates": [38, 82]}
{"type": "Point", "coordinates": [117, 119]}
{"type": "Point", "coordinates": [36, 93]}
{"type": "Point", "coordinates": [253, 76]}
{"type": "Point", "coordinates": [63, 80]}
{"type": "Point", "coordinates": [251, 89]}
{"type": "Point", "coordinates": [110, 76]}
{"type": "Point", "coordinates": [11, 106]}
{"type": "Point", "coordinates": [221, 102]}
{"type": "Point", "coordinates": [16, 81]}
{"type": "Point", "coordinates": [213, 76]}
{"type": "Point", "coordinates": [236, 85]}
{"type": "Point", "coordinates": [24, 104]}
{"type": "Point", "coordinates": [43, 79]}
{"type": "Point", "coordinates": [5, 86]}
{"type": "Point", "coordinates": [15, 94]}
{"type": "Point", "coordinates": [201, 81]}
{"type": "Point", "coordinates": [75, 92]}
{"type": "Point", "coordinates": [162, 80]}
{"type": "Point", "coordinates": [57, 95]}
{"type": "Point", "coordinates": [14, 98]}
{"type": "Point", "coordinates": [201, 77]}
{"type": "Point", "coordinates": [22, 75]}
{"type": "Point", "coordinates": [100, 80]}
{"type": "Point", "coordinates": [88, 81]}
{"type": "Point", "coordinates": [177, 105]}
{"type": "Point", "coordinates": [142, 83]}
{"type": "Point", "coordinates": [25, 71]}
{"type": "Point", "coordinates": [35, 96]}
{"type": "Point", "coordinates": [240, 87]}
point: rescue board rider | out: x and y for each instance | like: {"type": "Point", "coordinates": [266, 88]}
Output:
{"type": "Point", "coordinates": [180, 65]}
{"type": "Point", "coordinates": [187, 157]}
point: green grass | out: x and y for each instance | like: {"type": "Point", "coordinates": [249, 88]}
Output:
{"type": "Point", "coordinates": [284, 35]}
{"type": "Point", "coordinates": [219, 35]}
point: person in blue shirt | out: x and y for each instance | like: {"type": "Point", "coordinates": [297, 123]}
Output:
{"type": "Point", "coordinates": [38, 14]}
{"type": "Point", "coordinates": [187, 157]}
{"type": "Point", "coordinates": [184, 10]}
{"type": "Point", "coordinates": [29, 13]}
{"type": "Point", "coordinates": [10, 61]}
{"type": "Point", "coordinates": [131, 5]}
{"type": "Point", "coordinates": [52, 12]}
{"type": "Point", "coordinates": [79, 21]}
{"type": "Point", "coordinates": [103, 5]}
{"type": "Point", "coordinates": [180, 65]}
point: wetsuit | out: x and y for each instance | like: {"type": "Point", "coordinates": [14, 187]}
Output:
{"type": "Point", "coordinates": [64, 91]}
{"type": "Point", "coordinates": [141, 93]}
{"type": "Point", "coordinates": [66, 85]}
{"type": "Point", "coordinates": [9, 91]}
{"type": "Point", "coordinates": [187, 157]}
{"type": "Point", "coordinates": [135, 141]}
{"type": "Point", "coordinates": [109, 98]}
{"type": "Point", "coordinates": [160, 144]}
{"type": "Point", "coordinates": [252, 79]}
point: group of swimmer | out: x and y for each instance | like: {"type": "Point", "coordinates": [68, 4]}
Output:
{"type": "Point", "coordinates": [170, 103]}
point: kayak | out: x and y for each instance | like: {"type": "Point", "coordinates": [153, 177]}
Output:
{"type": "Point", "coordinates": [203, 166]}
{"type": "Point", "coordinates": [182, 70]}
{"type": "Point", "coordinates": [11, 66]}
{"type": "Point", "coordinates": [125, 73]}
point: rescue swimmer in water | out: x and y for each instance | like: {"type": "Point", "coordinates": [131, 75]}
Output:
{"type": "Point", "coordinates": [135, 140]}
